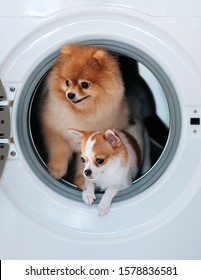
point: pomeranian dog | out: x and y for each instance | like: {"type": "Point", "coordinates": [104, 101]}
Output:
{"type": "Point", "coordinates": [85, 91]}
{"type": "Point", "coordinates": [112, 159]}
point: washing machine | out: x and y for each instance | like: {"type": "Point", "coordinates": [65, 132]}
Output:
{"type": "Point", "coordinates": [158, 45]}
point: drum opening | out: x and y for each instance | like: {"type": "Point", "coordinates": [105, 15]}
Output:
{"type": "Point", "coordinates": [148, 90]}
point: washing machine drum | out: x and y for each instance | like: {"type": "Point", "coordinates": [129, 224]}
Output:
{"type": "Point", "coordinates": [142, 100]}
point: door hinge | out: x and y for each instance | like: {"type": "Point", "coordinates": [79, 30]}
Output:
{"type": "Point", "coordinates": [5, 128]}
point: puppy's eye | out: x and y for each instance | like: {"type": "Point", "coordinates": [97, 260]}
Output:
{"type": "Point", "coordinates": [82, 159]}
{"type": "Point", "coordinates": [85, 85]}
{"type": "Point", "coordinates": [100, 160]}
{"type": "Point", "coordinates": [68, 83]}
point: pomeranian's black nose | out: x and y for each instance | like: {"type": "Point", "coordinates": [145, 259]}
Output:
{"type": "Point", "coordinates": [71, 95]}
{"type": "Point", "coordinates": [87, 172]}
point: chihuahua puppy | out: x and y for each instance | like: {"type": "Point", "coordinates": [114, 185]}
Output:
{"type": "Point", "coordinates": [111, 160]}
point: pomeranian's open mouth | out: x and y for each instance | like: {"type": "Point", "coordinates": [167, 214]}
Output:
{"type": "Point", "coordinates": [80, 100]}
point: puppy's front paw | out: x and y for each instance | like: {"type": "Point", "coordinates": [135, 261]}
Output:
{"type": "Point", "coordinates": [57, 169]}
{"type": "Point", "coordinates": [88, 196]}
{"type": "Point", "coordinates": [103, 208]}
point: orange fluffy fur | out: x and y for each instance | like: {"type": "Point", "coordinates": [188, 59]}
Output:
{"type": "Point", "coordinates": [101, 105]}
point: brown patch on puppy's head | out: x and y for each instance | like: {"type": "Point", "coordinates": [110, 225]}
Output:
{"type": "Point", "coordinates": [108, 146]}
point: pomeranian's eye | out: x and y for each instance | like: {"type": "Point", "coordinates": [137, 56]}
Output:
{"type": "Point", "coordinates": [82, 159]}
{"type": "Point", "coordinates": [100, 160]}
{"type": "Point", "coordinates": [68, 83]}
{"type": "Point", "coordinates": [85, 85]}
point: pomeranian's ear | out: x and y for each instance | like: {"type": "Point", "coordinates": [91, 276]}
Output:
{"type": "Point", "coordinates": [100, 56]}
{"type": "Point", "coordinates": [112, 138]}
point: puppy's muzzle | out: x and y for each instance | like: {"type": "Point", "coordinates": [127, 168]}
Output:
{"type": "Point", "coordinates": [71, 95]}
{"type": "Point", "coordinates": [73, 98]}
{"type": "Point", "coordinates": [87, 172]}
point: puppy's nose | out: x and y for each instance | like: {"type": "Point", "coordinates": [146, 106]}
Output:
{"type": "Point", "coordinates": [87, 172]}
{"type": "Point", "coordinates": [71, 95]}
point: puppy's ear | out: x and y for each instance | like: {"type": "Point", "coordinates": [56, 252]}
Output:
{"type": "Point", "coordinates": [79, 134]}
{"type": "Point", "coordinates": [76, 133]}
{"type": "Point", "coordinates": [99, 56]}
{"type": "Point", "coordinates": [112, 138]}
